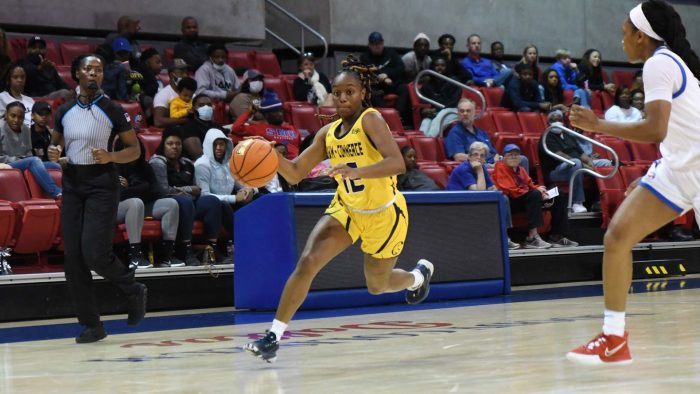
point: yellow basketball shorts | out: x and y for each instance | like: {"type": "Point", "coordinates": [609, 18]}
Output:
{"type": "Point", "coordinates": [383, 233]}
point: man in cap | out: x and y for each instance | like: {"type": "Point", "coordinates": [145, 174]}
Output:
{"type": "Point", "coordinates": [273, 128]}
{"type": "Point", "coordinates": [41, 133]}
{"type": "Point", "coordinates": [161, 102]}
{"type": "Point", "coordinates": [42, 78]}
{"type": "Point", "coordinates": [417, 60]}
{"type": "Point", "coordinates": [390, 75]}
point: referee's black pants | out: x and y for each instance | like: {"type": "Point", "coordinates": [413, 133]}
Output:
{"type": "Point", "coordinates": [88, 219]}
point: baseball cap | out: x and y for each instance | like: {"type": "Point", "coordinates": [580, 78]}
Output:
{"type": "Point", "coordinates": [375, 37]}
{"type": "Point", "coordinates": [34, 40]}
{"type": "Point", "coordinates": [251, 74]}
{"type": "Point", "coordinates": [121, 44]}
{"type": "Point", "coordinates": [422, 36]}
{"type": "Point", "coordinates": [270, 102]}
{"type": "Point", "coordinates": [178, 64]}
{"type": "Point", "coordinates": [510, 148]}
{"type": "Point", "coordinates": [41, 106]}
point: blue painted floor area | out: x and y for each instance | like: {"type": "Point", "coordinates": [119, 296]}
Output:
{"type": "Point", "coordinates": [177, 322]}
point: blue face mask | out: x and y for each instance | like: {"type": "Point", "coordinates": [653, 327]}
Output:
{"type": "Point", "coordinates": [205, 113]}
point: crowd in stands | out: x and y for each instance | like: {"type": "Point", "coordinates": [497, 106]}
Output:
{"type": "Point", "coordinates": [191, 104]}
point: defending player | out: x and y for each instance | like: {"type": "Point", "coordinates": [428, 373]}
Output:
{"type": "Point", "coordinates": [653, 33]}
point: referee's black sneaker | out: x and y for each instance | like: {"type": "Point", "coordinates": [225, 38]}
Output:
{"type": "Point", "coordinates": [137, 305]}
{"type": "Point", "coordinates": [417, 296]}
{"type": "Point", "coordinates": [91, 334]}
{"type": "Point", "coordinates": [265, 348]}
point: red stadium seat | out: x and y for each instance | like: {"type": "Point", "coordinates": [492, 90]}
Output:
{"type": "Point", "coordinates": [506, 122]}
{"type": "Point", "coordinates": [438, 174]}
{"type": "Point", "coordinates": [427, 149]}
{"type": "Point", "coordinates": [267, 63]}
{"type": "Point", "coordinates": [619, 146]}
{"type": "Point", "coordinates": [289, 87]}
{"type": "Point", "coordinates": [278, 85]}
{"type": "Point", "coordinates": [287, 108]}
{"type": "Point", "coordinates": [8, 216]}
{"type": "Point", "coordinates": [37, 221]}
{"type": "Point", "coordinates": [500, 140]}
{"type": "Point", "coordinates": [19, 48]}
{"type": "Point", "coordinates": [623, 78]}
{"type": "Point", "coordinates": [416, 105]}
{"type": "Point", "coordinates": [136, 115]}
{"type": "Point", "coordinates": [608, 100]}
{"type": "Point", "coordinates": [392, 118]}
{"type": "Point", "coordinates": [71, 50]}
{"type": "Point", "coordinates": [632, 173]}
{"type": "Point", "coordinates": [402, 141]}
{"type": "Point", "coordinates": [151, 231]}
{"type": "Point", "coordinates": [54, 54]}
{"type": "Point", "coordinates": [493, 97]}
{"type": "Point", "coordinates": [221, 113]}
{"type": "Point", "coordinates": [531, 123]}
{"type": "Point", "coordinates": [597, 101]}
{"type": "Point", "coordinates": [486, 123]}
{"type": "Point", "coordinates": [568, 97]}
{"type": "Point", "coordinates": [35, 191]}
{"type": "Point", "coordinates": [466, 93]}
{"type": "Point", "coordinates": [305, 118]}
{"type": "Point", "coordinates": [150, 142]}
{"type": "Point", "coordinates": [64, 73]}
{"type": "Point", "coordinates": [612, 192]}
{"type": "Point", "coordinates": [644, 153]}
{"type": "Point", "coordinates": [241, 60]}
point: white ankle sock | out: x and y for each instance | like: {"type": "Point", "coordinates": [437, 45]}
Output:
{"type": "Point", "coordinates": [417, 279]}
{"type": "Point", "coordinates": [614, 323]}
{"type": "Point", "coordinates": [278, 328]}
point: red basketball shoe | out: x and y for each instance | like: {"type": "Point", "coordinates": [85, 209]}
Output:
{"type": "Point", "coordinates": [603, 349]}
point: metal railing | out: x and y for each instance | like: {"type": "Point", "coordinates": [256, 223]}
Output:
{"type": "Point", "coordinates": [581, 170]}
{"type": "Point", "coordinates": [302, 26]}
{"type": "Point", "coordinates": [420, 75]}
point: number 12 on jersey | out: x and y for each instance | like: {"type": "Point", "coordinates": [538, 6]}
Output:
{"type": "Point", "coordinates": [353, 185]}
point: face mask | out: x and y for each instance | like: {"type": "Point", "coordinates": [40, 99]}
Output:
{"type": "Point", "coordinates": [217, 67]}
{"type": "Point", "coordinates": [256, 86]}
{"type": "Point", "coordinates": [205, 112]}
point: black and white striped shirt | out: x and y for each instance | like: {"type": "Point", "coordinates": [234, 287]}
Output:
{"type": "Point", "coordinates": [87, 126]}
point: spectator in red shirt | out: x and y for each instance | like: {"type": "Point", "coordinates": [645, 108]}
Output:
{"type": "Point", "coordinates": [273, 128]}
{"type": "Point", "coordinates": [524, 195]}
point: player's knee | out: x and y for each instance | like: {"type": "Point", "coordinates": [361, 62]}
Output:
{"type": "Point", "coordinates": [616, 238]}
{"type": "Point", "coordinates": [308, 265]}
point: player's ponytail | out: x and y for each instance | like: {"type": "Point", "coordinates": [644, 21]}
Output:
{"type": "Point", "coordinates": [666, 22]}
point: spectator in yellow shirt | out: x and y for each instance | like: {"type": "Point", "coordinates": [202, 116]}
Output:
{"type": "Point", "coordinates": [181, 106]}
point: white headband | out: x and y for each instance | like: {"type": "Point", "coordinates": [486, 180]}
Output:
{"type": "Point", "coordinates": [642, 24]}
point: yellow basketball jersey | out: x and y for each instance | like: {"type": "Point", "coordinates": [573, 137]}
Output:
{"type": "Point", "coordinates": [356, 150]}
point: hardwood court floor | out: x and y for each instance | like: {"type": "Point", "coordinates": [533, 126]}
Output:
{"type": "Point", "coordinates": [512, 344]}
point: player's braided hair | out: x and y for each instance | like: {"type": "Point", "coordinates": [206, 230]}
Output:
{"type": "Point", "coordinates": [367, 76]}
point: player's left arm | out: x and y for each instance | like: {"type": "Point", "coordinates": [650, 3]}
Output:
{"type": "Point", "coordinates": [377, 130]}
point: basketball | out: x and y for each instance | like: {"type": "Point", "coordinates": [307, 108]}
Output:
{"type": "Point", "coordinates": [254, 162]}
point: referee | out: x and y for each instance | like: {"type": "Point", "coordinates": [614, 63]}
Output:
{"type": "Point", "coordinates": [86, 128]}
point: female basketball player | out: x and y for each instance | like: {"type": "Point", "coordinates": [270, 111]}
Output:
{"type": "Point", "coordinates": [365, 161]}
{"type": "Point", "coordinates": [653, 33]}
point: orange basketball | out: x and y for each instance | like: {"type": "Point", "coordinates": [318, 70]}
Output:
{"type": "Point", "coordinates": [254, 162]}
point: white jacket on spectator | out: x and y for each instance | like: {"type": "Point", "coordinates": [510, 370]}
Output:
{"type": "Point", "coordinates": [213, 177]}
